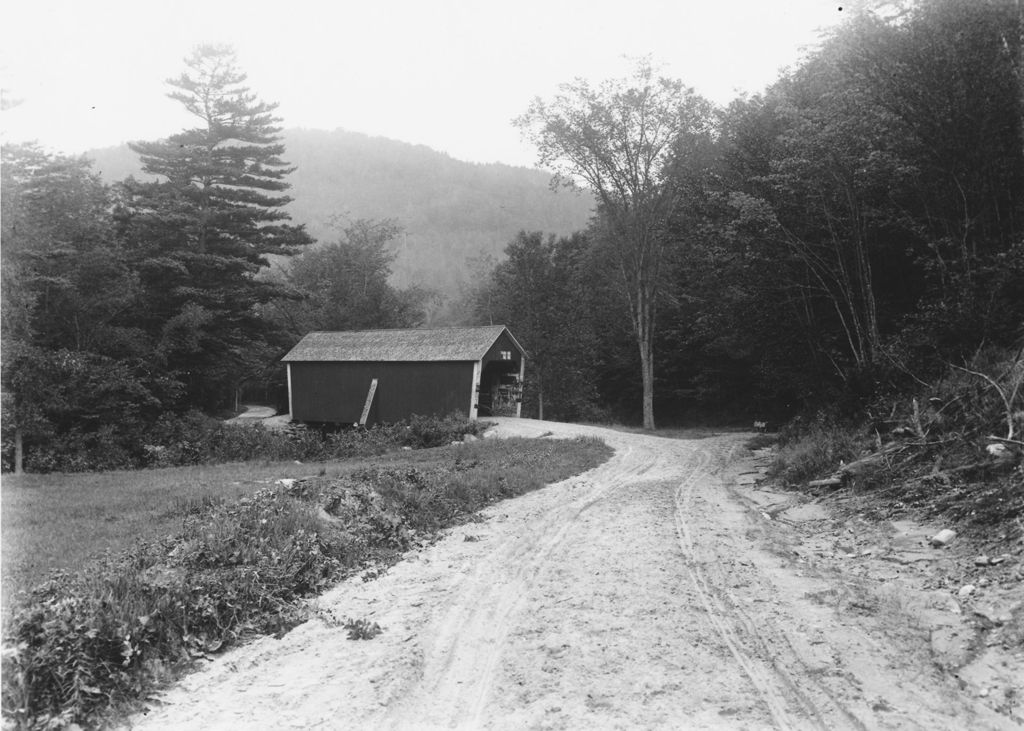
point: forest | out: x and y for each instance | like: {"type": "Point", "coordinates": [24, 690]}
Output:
{"type": "Point", "coordinates": [845, 245]}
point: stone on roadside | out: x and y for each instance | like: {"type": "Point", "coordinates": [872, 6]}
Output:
{"type": "Point", "coordinates": [1000, 452]}
{"type": "Point", "coordinates": [965, 591]}
{"type": "Point", "coordinates": [997, 613]}
{"type": "Point", "coordinates": [942, 538]}
{"type": "Point", "coordinates": [287, 482]}
{"type": "Point", "coordinates": [469, 438]}
{"type": "Point", "coordinates": [827, 482]}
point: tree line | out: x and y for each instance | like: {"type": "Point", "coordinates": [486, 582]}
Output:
{"type": "Point", "coordinates": [846, 234]}
{"type": "Point", "coordinates": [126, 307]}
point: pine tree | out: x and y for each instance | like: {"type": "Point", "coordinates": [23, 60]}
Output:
{"type": "Point", "coordinates": [204, 229]}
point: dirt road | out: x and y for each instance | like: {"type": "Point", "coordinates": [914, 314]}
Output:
{"type": "Point", "coordinates": [638, 595]}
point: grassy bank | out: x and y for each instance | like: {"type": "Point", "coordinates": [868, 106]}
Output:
{"type": "Point", "coordinates": [60, 520]}
{"type": "Point", "coordinates": [119, 626]}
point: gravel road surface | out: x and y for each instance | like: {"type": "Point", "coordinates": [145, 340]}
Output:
{"type": "Point", "coordinates": [637, 595]}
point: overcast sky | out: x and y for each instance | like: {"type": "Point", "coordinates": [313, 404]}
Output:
{"type": "Point", "coordinates": [450, 74]}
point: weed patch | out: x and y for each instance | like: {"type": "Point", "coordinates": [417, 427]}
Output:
{"type": "Point", "coordinates": [362, 629]}
{"type": "Point", "coordinates": [808, 451]}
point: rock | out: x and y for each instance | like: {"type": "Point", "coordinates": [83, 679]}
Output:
{"type": "Point", "coordinates": [965, 591]}
{"type": "Point", "coordinates": [909, 557]}
{"type": "Point", "coordinates": [950, 646]}
{"type": "Point", "coordinates": [1000, 451]}
{"type": "Point", "coordinates": [287, 482]}
{"type": "Point", "coordinates": [470, 438]}
{"type": "Point", "coordinates": [456, 444]}
{"type": "Point", "coordinates": [864, 465]}
{"type": "Point", "coordinates": [997, 613]}
{"type": "Point", "coordinates": [827, 482]}
{"type": "Point", "coordinates": [942, 538]}
{"type": "Point", "coordinates": [996, 560]}
{"type": "Point", "coordinates": [982, 560]}
{"type": "Point", "coordinates": [407, 448]}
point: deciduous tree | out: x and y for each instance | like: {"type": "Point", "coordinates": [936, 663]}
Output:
{"type": "Point", "coordinates": [344, 285]}
{"type": "Point", "coordinates": [620, 140]}
{"type": "Point", "coordinates": [542, 293]}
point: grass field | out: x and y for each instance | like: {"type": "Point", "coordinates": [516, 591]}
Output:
{"type": "Point", "coordinates": [61, 521]}
{"type": "Point", "coordinates": [193, 569]}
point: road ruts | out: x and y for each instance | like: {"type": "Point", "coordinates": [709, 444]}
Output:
{"type": "Point", "coordinates": [794, 702]}
{"type": "Point", "coordinates": [467, 640]}
{"type": "Point", "coordinates": [636, 595]}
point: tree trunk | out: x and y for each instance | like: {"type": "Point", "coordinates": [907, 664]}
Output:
{"type": "Point", "coordinates": [19, 453]}
{"type": "Point", "coordinates": [645, 339]}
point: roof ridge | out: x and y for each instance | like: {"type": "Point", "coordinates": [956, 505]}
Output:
{"type": "Point", "coordinates": [410, 329]}
{"type": "Point", "coordinates": [462, 343]}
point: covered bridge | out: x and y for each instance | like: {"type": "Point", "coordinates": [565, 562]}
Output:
{"type": "Point", "coordinates": [371, 376]}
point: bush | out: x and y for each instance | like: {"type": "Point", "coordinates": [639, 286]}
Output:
{"type": "Point", "coordinates": [174, 440]}
{"type": "Point", "coordinates": [432, 431]}
{"type": "Point", "coordinates": [809, 450]}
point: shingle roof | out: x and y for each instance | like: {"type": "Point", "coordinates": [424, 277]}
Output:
{"type": "Point", "coordinates": [452, 343]}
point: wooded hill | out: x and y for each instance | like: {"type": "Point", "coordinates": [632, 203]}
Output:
{"type": "Point", "coordinates": [451, 211]}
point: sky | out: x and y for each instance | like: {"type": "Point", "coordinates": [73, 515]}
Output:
{"type": "Point", "coordinates": [450, 74]}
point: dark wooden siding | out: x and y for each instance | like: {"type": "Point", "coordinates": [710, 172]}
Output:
{"type": "Point", "coordinates": [336, 392]}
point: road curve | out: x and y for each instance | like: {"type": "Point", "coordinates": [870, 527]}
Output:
{"type": "Point", "coordinates": [633, 596]}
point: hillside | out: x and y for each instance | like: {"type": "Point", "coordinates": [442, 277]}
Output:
{"type": "Point", "coordinates": [452, 211]}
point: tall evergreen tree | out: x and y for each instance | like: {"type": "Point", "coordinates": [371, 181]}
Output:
{"type": "Point", "coordinates": [203, 230]}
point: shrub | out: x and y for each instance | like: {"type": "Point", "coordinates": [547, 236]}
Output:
{"type": "Point", "coordinates": [432, 431]}
{"type": "Point", "coordinates": [810, 450]}
{"type": "Point", "coordinates": [174, 440]}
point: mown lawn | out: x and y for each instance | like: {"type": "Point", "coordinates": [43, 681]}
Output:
{"type": "Point", "coordinates": [60, 521]}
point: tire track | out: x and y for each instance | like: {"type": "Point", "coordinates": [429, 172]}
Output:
{"type": "Point", "coordinates": [776, 685]}
{"type": "Point", "coordinates": [572, 609]}
{"type": "Point", "coordinates": [461, 662]}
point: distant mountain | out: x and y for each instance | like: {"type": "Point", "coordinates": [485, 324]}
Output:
{"type": "Point", "coordinates": [452, 211]}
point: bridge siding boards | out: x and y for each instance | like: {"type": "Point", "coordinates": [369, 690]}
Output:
{"type": "Point", "coordinates": [417, 374]}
